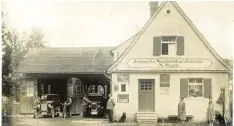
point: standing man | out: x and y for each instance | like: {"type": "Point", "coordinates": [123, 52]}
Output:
{"type": "Point", "coordinates": [211, 112]}
{"type": "Point", "coordinates": [85, 104]}
{"type": "Point", "coordinates": [69, 102]}
{"type": "Point", "coordinates": [36, 106]}
{"type": "Point", "coordinates": [182, 110]}
{"type": "Point", "coordinates": [110, 106]}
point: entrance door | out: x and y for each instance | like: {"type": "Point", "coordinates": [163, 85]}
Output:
{"type": "Point", "coordinates": [146, 95]}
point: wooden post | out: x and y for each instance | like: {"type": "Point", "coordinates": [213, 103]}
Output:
{"type": "Point", "coordinates": [223, 93]}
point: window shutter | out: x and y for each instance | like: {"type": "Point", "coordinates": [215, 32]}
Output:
{"type": "Point", "coordinates": [157, 46]}
{"type": "Point", "coordinates": [207, 88]}
{"type": "Point", "coordinates": [180, 45]}
{"type": "Point", "coordinates": [184, 87]}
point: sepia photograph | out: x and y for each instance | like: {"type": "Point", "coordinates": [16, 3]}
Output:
{"type": "Point", "coordinates": [117, 63]}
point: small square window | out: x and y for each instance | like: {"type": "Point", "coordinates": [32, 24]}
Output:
{"type": "Point", "coordinates": [123, 87]}
{"type": "Point", "coordinates": [168, 11]}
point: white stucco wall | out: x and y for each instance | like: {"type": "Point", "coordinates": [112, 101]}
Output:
{"type": "Point", "coordinates": [166, 104]}
{"type": "Point", "coordinates": [194, 47]}
{"type": "Point", "coordinates": [173, 24]}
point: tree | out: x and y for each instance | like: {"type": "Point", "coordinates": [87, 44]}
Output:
{"type": "Point", "coordinates": [14, 50]}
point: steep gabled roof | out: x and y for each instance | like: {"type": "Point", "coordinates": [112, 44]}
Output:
{"type": "Point", "coordinates": [67, 60]}
{"type": "Point", "coordinates": [189, 22]}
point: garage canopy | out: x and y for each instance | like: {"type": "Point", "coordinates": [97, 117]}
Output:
{"type": "Point", "coordinates": [67, 60]}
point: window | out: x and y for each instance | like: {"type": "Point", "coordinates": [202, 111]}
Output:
{"type": "Point", "coordinates": [91, 89]}
{"type": "Point", "coordinates": [164, 80]}
{"type": "Point", "coordinates": [169, 45]}
{"type": "Point", "coordinates": [100, 89]}
{"type": "Point", "coordinates": [79, 88]}
{"type": "Point", "coordinates": [196, 86]}
{"type": "Point", "coordinates": [146, 85]}
{"type": "Point", "coordinates": [168, 12]}
{"type": "Point", "coordinates": [123, 87]}
{"type": "Point", "coordinates": [29, 90]}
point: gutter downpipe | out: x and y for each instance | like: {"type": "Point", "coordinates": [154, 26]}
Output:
{"type": "Point", "coordinates": [105, 71]}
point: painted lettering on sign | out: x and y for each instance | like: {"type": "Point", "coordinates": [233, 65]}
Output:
{"type": "Point", "coordinates": [169, 63]}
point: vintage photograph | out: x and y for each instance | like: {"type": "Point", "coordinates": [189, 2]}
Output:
{"type": "Point", "coordinates": [117, 63]}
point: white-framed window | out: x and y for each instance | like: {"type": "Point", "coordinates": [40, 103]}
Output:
{"type": "Point", "coordinates": [123, 87]}
{"type": "Point", "coordinates": [196, 87]}
{"type": "Point", "coordinates": [169, 46]}
{"type": "Point", "coordinates": [79, 90]}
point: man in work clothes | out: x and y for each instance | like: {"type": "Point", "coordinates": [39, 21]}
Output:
{"type": "Point", "coordinates": [85, 103]}
{"type": "Point", "coordinates": [110, 106]}
{"type": "Point", "coordinates": [182, 110]}
{"type": "Point", "coordinates": [69, 102]}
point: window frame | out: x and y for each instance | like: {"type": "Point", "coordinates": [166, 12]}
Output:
{"type": "Point", "coordinates": [195, 83]}
{"type": "Point", "coordinates": [168, 42]}
{"type": "Point", "coordinates": [168, 10]}
{"type": "Point", "coordinates": [29, 88]}
{"type": "Point", "coordinates": [167, 14]}
{"type": "Point", "coordinates": [121, 87]}
{"type": "Point", "coordinates": [149, 86]}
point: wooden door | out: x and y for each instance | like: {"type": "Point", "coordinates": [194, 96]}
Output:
{"type": "Point", "coordinates": [146, 95]}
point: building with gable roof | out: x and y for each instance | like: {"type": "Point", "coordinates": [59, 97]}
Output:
{"type": "Point", "coordinates": [168, 59]}
{"type": "Point", "coordinates": [147, 74]}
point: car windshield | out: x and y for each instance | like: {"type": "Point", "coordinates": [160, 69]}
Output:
{"type": "Point", "coordinates": [52, 97]}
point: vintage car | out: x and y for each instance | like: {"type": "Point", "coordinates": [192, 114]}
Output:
{"type": "Point", "coordinates": [98, 102]}
{"type": "Point", "coordinates": [50, 105]}
{"type": "Point", "coordinates": [96, 107]}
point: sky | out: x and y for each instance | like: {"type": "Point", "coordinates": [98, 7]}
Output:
{"type": "Point", "coordinates": [85, 24]}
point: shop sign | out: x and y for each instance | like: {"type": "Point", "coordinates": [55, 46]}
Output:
{"type": "Point", "coordinates": [164, 90]}
{"type": "Point", "coordinates": [123, 98]}
{"type": "Point", "coordinates": [122, 77]}
{"type": "Point", "coordinates": [169, 63]}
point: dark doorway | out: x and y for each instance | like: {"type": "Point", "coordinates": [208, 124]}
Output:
{"type": "Point", "coordinates": [53, 86]}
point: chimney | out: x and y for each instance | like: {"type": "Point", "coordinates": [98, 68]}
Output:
{"type": "Point", "coordinates": [153, 7]}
